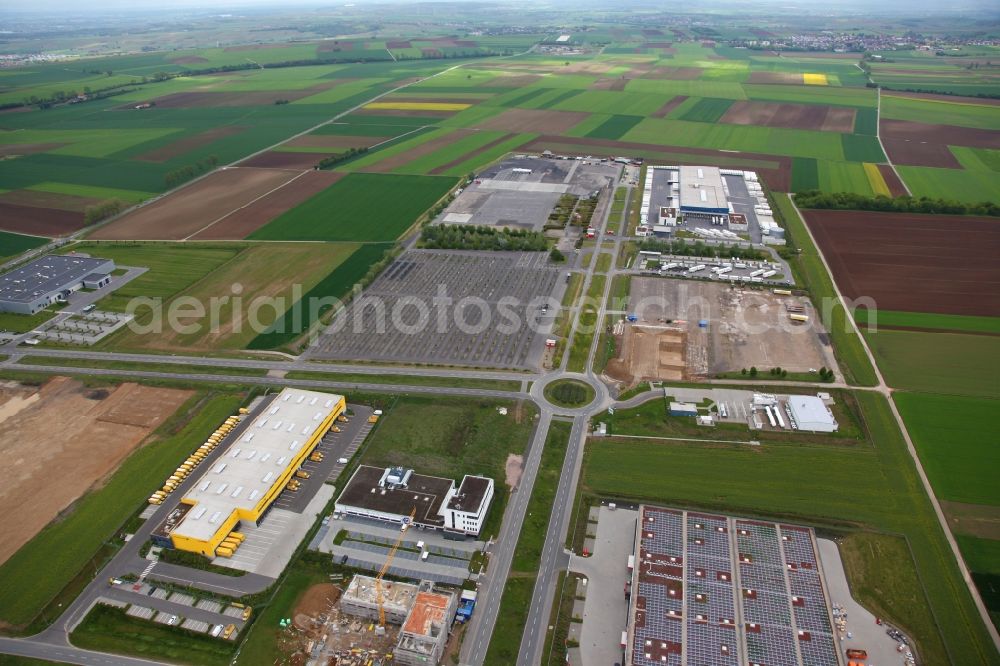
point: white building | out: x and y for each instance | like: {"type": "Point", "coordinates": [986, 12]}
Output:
{"type": "Point", "coordinates": [811, 413]}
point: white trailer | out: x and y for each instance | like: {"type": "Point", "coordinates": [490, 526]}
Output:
{"type": "Point", "coordinates": [770, 416]}
{"type": "Point", "coordinates": [767, 274]}
{"type": "Point", "coordinates": [724, 270]}
{"type": "Point", "coordinates": [777, 415]}
{"type": "Point", "coordinates": [757, 273]}
{"type": "Point", "coordinates": [696, 268]}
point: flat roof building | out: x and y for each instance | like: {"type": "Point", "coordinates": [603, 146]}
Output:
{"type": "Point", "coordinates": [361, 599]}
{"type": "Point", "coordinates": [811, 413]}
{"type": "Point", "coordinates": [253, 469]}
{"type": "Point", "coordinates": [51, 279]}
{"type": "Point", "coordinates": [392, 493]}
{"type": "Point", "coordinates": [702, 192]}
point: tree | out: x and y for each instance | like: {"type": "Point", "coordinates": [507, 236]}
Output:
{"type": "Point", "coordinates": [556, 255]}
{"type": "Point", "coordinates": [753, 371]}
{"type": "Point", "coordinates": [743, 371]}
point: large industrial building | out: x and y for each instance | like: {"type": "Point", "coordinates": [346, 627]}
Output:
{"type": "Point", "coordinates": [259, 458]}
{"type": "Point", "coordinates": [51, 279]}
{"type": "Point", "coordinates": [701, 192]}
{"type": "Point", "coordinates": [809, 412]}
{"type": "Point", "coordinates": [720, 591]}
{"type": "Point", "coordinates": [392, 493]}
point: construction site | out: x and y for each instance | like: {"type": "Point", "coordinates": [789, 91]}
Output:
{"type": "Point", "coordinates": [686, 330]}
{"type": "Point", "coordinates": [370, 622]}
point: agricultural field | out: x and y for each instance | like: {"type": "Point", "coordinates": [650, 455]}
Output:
{"type": "Point", "coordinates": [12, 245]}
{"type": "Point", "coordinates": [775, 481]}
{"type": "Point", "coordinates": [360, 207]}
{"type": "Point", "coordinates": [913, 263]}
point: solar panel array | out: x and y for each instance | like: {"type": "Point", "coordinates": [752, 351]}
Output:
{"type": "Point", "coordinates": [809, 602]}
{"type": "Point", "coordinates": [710, 590]}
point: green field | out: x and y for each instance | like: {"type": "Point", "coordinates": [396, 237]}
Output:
{"type": "Point", "coordinates": [841, 177]}
{"type": "Point", "coordinates": [965, 185]}
{"type": "Point", "coordinates": [874, 485]}
{"type": "Point", "coordinates": [321, 298]}
{"type": "Point", "coordinates": [14, 244]}
{"type": "Point", "coordinates": [947, 363]}
{"type": "Point", "coordinates": [45, 565]}
{"type": "Point", "coordinates": [707, 110]}
{"type": "Point", "coordinates": [929, 320]}
{"type": "Point", "coordinates": [614, 127]}
{"type": "Point", "coordinates": [362, 207]}
{"type": "Point", "coordinates": [954, 437]}
{"type": "Point", "coordinates": [964, 113]}
{"type": "Point", "coordinates": [860, 148]}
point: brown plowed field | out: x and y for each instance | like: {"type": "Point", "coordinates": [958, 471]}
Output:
{"type": "Point", "coordinates": [405, 113]}
{"type": "Point", "coordinates": [534, 120]}
{"type": "Point", "coordinates": [187, 144]}
{"type": "Point", "coordinates": [777, 177]}
{"type": "Point", "coordinates": [515, 80]}
{"type": "Point", "coordinates": [913, 263]}
{"type": "Point", "coordinates": [188, 60]}
{"type": "Point", "coordinates": [774, 77]}
{"type": "Point", "coordinates": [914, 152]}
{"type": "Point", "coordinates": [276, 159]}
{"type": "Point", "coordinates": [669, 106]}
{"type": "Point", "coordinates": [247, 220]}
{"type": "Point", "coordinates": [793, 116]}
{"type": "Point", "coordinates": [39, 221]}
{"type": "Point", "coordinates": [467, 156]}
{"type": "Point", "coordinates": [190, 209]}
{"type": "Point", "coordinates": [27, 148]}
{"type": "Point", "coordinates": [426, 148]}
{"type": "Point", "coordinates": [334, 45]}
{"type": "Point", "coordinates": [47, 200]}
{"type": "Point", "coordinates": [399, 44]}
{"type": "Point", "coordinates": [946, 134]}
{"type": "Point", "coordinates": [895, 185]}
{"type": "Point", "coordinates": [87, 433]}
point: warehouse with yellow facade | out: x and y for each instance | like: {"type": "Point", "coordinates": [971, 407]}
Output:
{"type": "Point", "coordinates": [259, 458]}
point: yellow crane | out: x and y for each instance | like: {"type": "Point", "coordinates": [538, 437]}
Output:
{"type": "Point", "coordinates": [388, 563]}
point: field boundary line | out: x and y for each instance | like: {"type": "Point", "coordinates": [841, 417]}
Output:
{"type": "Point", "coordinates": [886, 391]}
{"type": "Point", "coordinates": [888, 160]}
{"type": "Point", "coordinates": [247, 204]}
{"type": "Point", "coordinates": [687, 439]}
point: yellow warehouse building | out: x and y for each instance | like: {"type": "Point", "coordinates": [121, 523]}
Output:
{"type": "Point", "coordinates": [257, 462]}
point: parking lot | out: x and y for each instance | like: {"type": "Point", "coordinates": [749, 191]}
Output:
{"type": "Point", "coordinates": [450, 308]}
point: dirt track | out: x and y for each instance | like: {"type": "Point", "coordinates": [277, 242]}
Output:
{"type": "Point", "coordinates": [793, 116]}
{"type": "Point", "coordinates": [914, 263]}
{"type": "Point", "coordinates": [65, 438]}
{"type": "Point", "coordinates": [245, 221]}
{"type": "Point", "coordinates": [190, 209]}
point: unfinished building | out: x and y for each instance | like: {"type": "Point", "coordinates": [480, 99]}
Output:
{"type": "Point", "coordinates": [361, 599]}
{"type": "Point", "coordinates": [424, 635]}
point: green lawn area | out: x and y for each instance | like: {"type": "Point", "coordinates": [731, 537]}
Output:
{"type": "Point", "coordinates": [931, 320]}
{"type": "Point", "coordinates": [587, 325]}
{"type": "Point", "coordinates": [952, 363]}
{"type": "Point", "coordinates": [22, 323]}
{"type": "Point", "coordinates": [809, 266]}
{"type": "Point", "coordinates": [874, 486]}
{"type": "Point", "coordinates": [42, 567]}
{"type": "Point", "coordinates": [13, 244]}
{"type": "Point", "coordinates": [516, 598]}
{"type": "Point", "coordinates": [954, 437]}
{"type": "Point", "coordinates": [108, 629]}
{"type": "Point", "coordinates": [569, 393]}
{"type": "Point", "coordinates": [451, 437]}
{"type": "Point", "coordinates": [173, 267]}
{"type": "Point", "coordinates": [363, 207]}
{"type": "Point", "coordinates": [127, 366]}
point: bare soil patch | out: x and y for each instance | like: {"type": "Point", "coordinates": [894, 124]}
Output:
{"type": "Point", "coordinates": [467, 156]}
{"type": "Point", "coordinates": [426, 148]}
{"type": "Point", "coordinates": [280, 159]}
{"type": "Point", "coordinates": [534, 120]}
{"type": "Point", "coordinates": [187, 60]}
{"type": "Point", "coordinates": [978, 520]}
{"type": "Point", "coordinates": [246, 220]}
{"type": "Point", "coordinates": [187, 144]}
{"type": "Point", "coordinates": [513, 469]}
{"type": "Point", "coordinates": [896, 187]}
{"type": "Point", "coordinates": [774, 77]}
{"type": "Point", "coordinates": [334, 141]}
{"type": "Point", "coordinates": [66, 438]}
{"type": "Point", "coordinates": [955, 99]}
{"type": "Point", "coordinates": [914, 152]}
{"type": "Point", "coordinates": [335, 45]}
{"type": "Point", "coordinates": [399, 44]}
{"type": "Point", "coordinates": [314, 601]}
{"type": "Point", "coordinates": [946, 134]}
{"type": "Point", "coordinates": [913, 263]}
{"type": "Point", "coordinates": [793, 116]}
{"type": "Point", "coordinates": [515, 80]}
{"type": "Point", "coordinates": [47, 200]}
{"type": "Point", "coordinates": [674, 73]}
{"type": "Point", "coordinates": [190, 209]}
{"type": "Point", "coordinates": [664, 110]}
{"type": "Point", "coordinates": [405, 113]}
{"type": "Point", "coordinates": [39, 221]}
{"type": "Point", "coordinates": [13, 149]}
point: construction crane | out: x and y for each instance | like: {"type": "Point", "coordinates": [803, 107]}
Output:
{"type": "Point", "coordinates": [388, 562]}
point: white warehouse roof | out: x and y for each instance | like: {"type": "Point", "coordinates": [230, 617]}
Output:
{"type": "Point", "coordinates": [811, 413]}
{"type": "Point", "coordinates": [255, 460]}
